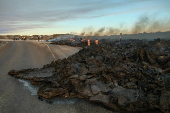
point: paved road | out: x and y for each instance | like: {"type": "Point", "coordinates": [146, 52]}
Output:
{"type": "Point", "coordinates": [16, 98]}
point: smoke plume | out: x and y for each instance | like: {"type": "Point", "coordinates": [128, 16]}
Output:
{"type": "Point", "coordinates": [99, 32]}
{"type": "Point", "coordinates": [143, 24]}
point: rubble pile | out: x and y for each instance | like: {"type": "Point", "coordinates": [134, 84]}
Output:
{"type": "Point", "coordinates": [131, 75]}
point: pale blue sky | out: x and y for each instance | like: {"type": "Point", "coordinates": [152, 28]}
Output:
{"type": "Point", "coordinates": [29, 17]}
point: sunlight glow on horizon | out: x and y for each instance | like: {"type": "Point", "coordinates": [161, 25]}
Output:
{"type": "Point", "coordinates": [47, 18]}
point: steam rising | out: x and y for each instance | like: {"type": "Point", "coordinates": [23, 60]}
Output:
{"type": "Point", "coordinates": [143, 24]}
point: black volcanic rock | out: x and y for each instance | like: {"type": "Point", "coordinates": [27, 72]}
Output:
{"type": "Point", "coordinates": [129, 76]}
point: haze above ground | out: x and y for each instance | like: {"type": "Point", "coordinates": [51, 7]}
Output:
{"type": "Point", "coordinates": [90, 17]}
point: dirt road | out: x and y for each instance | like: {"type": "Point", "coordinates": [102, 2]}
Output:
{"type": "Point", "coordinates": [16, 98]}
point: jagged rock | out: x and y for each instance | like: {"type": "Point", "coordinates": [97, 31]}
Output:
{"type": "Point", "coordinates": [162, 59]}
{"type": "Point", "coordinates": [153, 100]}
{"type": "Point", "coordinates": [101, 86]}
{"type": "Point", "coordinates": [95, 89]}
{"type": "Point", "coordinates": [83, 70]}
{"type": "Point", "coordinates": [131, 85]}
{"type": "Point", "coordinates": [13, 72]}
{"type": "Point", "coordinates": [99, 58]}
{"type": "Point", "coordinates": [158, 70]}
{"type": "Point", "coordinates": [122, 100]}
{"type": "Point", "coordinates": [83, 77]}
{"type": "Point", "coordinates": [91, 81]}
{"type": "Point", "coordinates": [102, 98]}
{"type": "Point", "coordinates": [115, 82]}
{"type": "Point", "coordinates": [87, 90]}
{"type": "Point", "coordinates": [74, 76]}
{"type": "Point", "coordinates": [131, 94]}
{"type": "Point", "coordinates": [94, 69]}
{"type": "Point", "coordinates": [166, 80]}
{"type": "Point", "coordinates": [50, 92]}
{"type": "Point", "coordinates": [165, 101]}
{"type": "Point", "coordinates": [141, 83]}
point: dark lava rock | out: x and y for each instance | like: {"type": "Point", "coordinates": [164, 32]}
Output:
{"type": "Point", "coordinates": [165, 101]}
{"type": "Point", "coordinates": [50, 92]}
{"type": "Point", "coordinates": [131, 75]}
{"type": "Point", "coordinates": [101, 98]}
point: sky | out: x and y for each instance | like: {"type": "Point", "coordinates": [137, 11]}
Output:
{"type": "Point", "coordinates": [47, 17]}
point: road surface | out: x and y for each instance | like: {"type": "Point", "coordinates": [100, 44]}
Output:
{"type": "Point", "coordinates": [16, 98]}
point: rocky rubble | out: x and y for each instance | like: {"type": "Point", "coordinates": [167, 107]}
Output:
{"type": "Point", "coordinates": [131, 75]}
